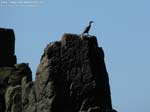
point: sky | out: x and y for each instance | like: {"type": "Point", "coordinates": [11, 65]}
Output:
{"type": "Point", "coordinates": [122, 28]}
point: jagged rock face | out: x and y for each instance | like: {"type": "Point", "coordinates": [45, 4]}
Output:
{"type": "Point", "coordinates": [10, 86]}
{"type": "Point", "coordinates": [71, 77]}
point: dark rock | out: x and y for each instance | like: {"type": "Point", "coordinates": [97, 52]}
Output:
{"type": "Point", "coordinates": [7, 47]}
{"type": "Point", "coordinates": [71, 77]}
{"type": "Point", "coordinates": [2, 102]}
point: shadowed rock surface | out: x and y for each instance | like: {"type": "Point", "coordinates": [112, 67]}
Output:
{"type": "Point", "coordinates": [71, 77]}
{"type": "Point", "coordinates": [7, 47]}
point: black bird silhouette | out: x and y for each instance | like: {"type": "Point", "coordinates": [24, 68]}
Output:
{"type": "Point", "coordinates": [86, 30]}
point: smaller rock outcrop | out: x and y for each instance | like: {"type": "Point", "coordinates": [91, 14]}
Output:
{"type": "Point", "coordinates": [11, 79]}
{"type": "Point", "coordinates": [11, 74]}
{"type": "Point", "coordinates": [7, 47]}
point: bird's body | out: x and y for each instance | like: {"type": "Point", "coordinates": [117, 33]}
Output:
{"type": "Point", "coordinates": [86, 30]}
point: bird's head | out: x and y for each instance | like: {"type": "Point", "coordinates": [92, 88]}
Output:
{"type": "Point", "coordinates": [91, 22]}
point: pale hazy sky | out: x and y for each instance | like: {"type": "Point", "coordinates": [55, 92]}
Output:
{"type": "Point", "coordinates": [122, 28]}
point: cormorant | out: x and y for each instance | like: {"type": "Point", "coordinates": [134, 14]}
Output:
{"type": "Point", "coordinates": [86, 30]}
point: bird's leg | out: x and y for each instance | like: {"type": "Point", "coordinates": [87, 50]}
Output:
{"type": "Point", "coordinates": [81, 36]}
{"type": "Point", "coordinates": [87, 33]}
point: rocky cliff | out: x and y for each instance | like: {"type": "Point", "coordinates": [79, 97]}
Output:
{"type": "Point", "coordinates": [71, 77]}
